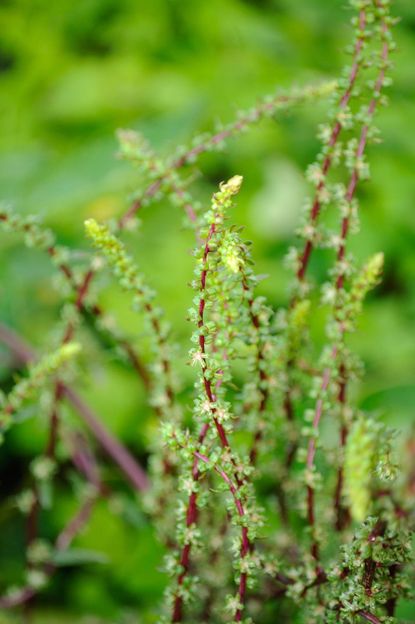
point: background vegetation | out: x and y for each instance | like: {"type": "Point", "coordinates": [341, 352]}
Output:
{"type": "Point", "coordinates": [70, 75]}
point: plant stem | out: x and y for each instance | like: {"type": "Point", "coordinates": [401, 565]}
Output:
{"type": "Point", "coordinates": [118, 453]}
{"type": "Point", "coordinates": [248, 118]}
{"type": "Point", "coordinates": [339, 285]}
{"type": "Point", "coordinates": [63, 542]}
{"type": "Point", "coordinates": [335, 133]}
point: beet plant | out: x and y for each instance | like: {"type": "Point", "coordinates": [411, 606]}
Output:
{"type": "Point", "coordinates": [275, 497]}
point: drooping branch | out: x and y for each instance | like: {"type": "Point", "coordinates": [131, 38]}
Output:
{"type": "Point", "coordinates": [268, 108]}
{"type": "Point", "coordinates": [118, 453]}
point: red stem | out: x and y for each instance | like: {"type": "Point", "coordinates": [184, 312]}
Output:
{"type": "Point", "coordinates": [339, 284]}
{"type": "Point", "coordinates": [192, 512]}
{"type": "Point", "coordinates": [193, 153]}
{"type": "Point", "coordinates": [263, 377]}
{"type": "Point", "coordinates": [118, 453]}
{"type": "Point", "coordinates": [63, 542]}
{"type": "Point", "coordinates": [369, 617]}
{"type": "Point", "coordinates": [335, 133]}
{"type": "Point", "coordinates": [316, 206]}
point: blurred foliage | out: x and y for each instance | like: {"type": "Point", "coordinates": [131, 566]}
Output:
{"type": "Point", "coordinates": [70, 75]}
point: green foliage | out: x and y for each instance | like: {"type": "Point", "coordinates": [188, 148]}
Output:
{"type": "Point", "coordinates": [37, 376]}
{"type": "Point", "coordinates": [274, 497]}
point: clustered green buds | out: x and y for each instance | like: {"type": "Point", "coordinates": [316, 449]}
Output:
{"type": "Point", "coordinates": [163, 462]}
{"type": "Point", "coordinates": [131, 279]}
{"type": "Point", "coordinates": [35, 236]}
{"type": "Point", "coordinates": [261, 515]}
{"type": "Point", "coordinates": [38, 375]}
{"type": "Point", "coordinates": [368, 459]}
{"type": "Point", "coordinates": [359, 466]}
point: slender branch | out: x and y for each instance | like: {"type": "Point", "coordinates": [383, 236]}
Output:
{"type": "Point", "coordinates": [49, 453]}
{"type": "Point", "coordinates": [263, 378]}
{"type": "Point", "coordinates": [76, 525]}
{"type": "Point", "coordinates": [369, 617]}
{"type": "Point", "coordinates": [191, 519]}
{"type": "Point", "coordinates": [118, 453]}
{"type": "Point", "coordinates": [334, 136]}
{"type": "Point", "coordinates": [341, 513]}
{"type": "Point", "coordinates": [305, 256]}
{"type": "Point", "coordinates": [246, 545]}
{"type": "Point", "coordinates": [246, 119]}
{"type": "Point", "coordinates": [311, 451]}
{"type": "Point", "coordinates": [85, 462]}
{"type": "Point", "coordinates": [30, 228]}
{"type": "Point", "coordinates": [209, 390]}
{"type": "Point", "coordinates": [370, 565]}
{"type": "Point", "coordinates": [192, 511]}
{"type": "Point", "coordinates": [32, 519]}
{"type": "Point", "coordinates": [339, 285]}
{"type": "Point", "coordinates": [63, 542]}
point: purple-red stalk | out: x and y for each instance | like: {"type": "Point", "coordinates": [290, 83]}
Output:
{"type": "Point", "coordinates": [339, 285]}
{"type": "Point", "coordinates": [114, 449]}
{"type": "Point", "coordinates": [192, 511]}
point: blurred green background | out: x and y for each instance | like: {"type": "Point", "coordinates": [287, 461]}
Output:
{"type": "Point", "coordinates": [71, 73]}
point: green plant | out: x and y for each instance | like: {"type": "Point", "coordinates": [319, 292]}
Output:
{"type": "Point", "coordinates": [261, 518]}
